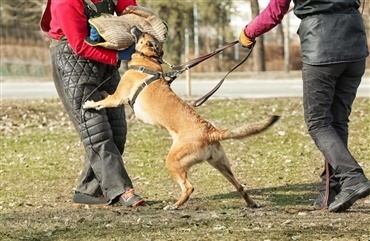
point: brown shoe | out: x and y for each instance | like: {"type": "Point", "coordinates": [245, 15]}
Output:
{"type": "Point", "coordinates": [130, 199]}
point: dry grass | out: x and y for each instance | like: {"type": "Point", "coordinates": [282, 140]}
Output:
{"type": "Point", "coordinates": [41, 158]}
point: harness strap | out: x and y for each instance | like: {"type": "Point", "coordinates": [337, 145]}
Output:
{"type": "Point", "coordinates": [91, 5]}
{"type": "Point", "coordinates": [141, 87]}
{"type": "Point", "coordinates": [145, 70]}
{"type": "Point", "coordinates": [155, 76]}
{"type": "Point", "coordinates": [169, 76]}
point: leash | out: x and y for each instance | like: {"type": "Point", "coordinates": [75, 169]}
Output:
{"type": "Point", "coordinates": [203, 99]}
{"type": "Point", "coordinates": [327, 186]}
{"type": "Point", "coordinates": [198, 60]}
{"type": "Point", "coordinates": [96, 88]}
{"type": "Point", "coordinates": [326, 198]}
{"type": "Point", "coordinates": [179, 69]}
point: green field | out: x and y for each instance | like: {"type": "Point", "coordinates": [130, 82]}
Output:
{"type": "Point", "coordinates": [41, 157]}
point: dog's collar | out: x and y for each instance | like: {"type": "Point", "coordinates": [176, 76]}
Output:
{"type": "Point", "coordinates": [145, 70]}
{"type": "Point", "coordinates": [155, 59]}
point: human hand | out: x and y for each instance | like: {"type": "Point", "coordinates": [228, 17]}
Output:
{"type": "Point", "coordinates": [125, 54]}
{"type": "Point", "coordinates": [245, 41]}
{"type": "Point", "coordinates": [94, 35]}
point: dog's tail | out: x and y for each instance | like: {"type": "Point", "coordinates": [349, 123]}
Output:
{"type": "Point", "coordinates": [245, 130]}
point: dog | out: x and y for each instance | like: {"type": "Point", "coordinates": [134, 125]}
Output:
{"type": "Point", "coordinates": [194, 139]}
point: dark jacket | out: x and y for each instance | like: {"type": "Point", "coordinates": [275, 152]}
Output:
{"type": "Point", "coordinates": [331, 31]}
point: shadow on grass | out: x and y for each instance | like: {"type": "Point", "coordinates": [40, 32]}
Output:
{"type": "Point", "coordinates": [287, 195]}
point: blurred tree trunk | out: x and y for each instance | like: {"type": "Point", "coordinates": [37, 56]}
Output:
{"type": "Point", "coordinates": [280, 34]}
{"type": "Point", "coordinates": [259, 49]}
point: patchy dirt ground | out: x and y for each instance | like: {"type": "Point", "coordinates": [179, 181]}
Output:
{"type": "Point", "coordinates": [225, 219]}
{"type": "Point", "coordinates": [41, 158]}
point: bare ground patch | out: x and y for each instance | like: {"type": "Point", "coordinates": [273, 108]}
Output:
{"type": "Point", "coordinates": [41, 158]}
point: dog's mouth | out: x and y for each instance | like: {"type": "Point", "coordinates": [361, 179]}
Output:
{"type": "Point", "coordinates": [155, 48]}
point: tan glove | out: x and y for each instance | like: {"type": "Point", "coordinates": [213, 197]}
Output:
{"type": "Point", "coordinates": [245, 41]}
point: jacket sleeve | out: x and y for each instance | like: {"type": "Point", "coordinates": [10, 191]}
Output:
{"type": "Point", "coordinates": [122, 4]}
{"type": "Point", "coordinates": [268, 18]}
{"type": "Point", "coordinates": [73, 21]}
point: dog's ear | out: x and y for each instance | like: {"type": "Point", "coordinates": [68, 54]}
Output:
{"type": "Point", "coordinates": [136, 33]}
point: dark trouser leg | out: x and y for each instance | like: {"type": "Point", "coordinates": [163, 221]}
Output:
{"type": "Point", "coordinates": [102, 132]}
{"type": "Point", "coordinates": [328, 94]}
{"type": "Point", "coordinates": [116, 116]}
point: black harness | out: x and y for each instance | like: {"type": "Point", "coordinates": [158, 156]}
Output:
{"type": "Point", "coordinates": [155, 75]}
{"type": "Point", "coordinates": [93, 10]}
{"type": "Point", "coordinates": [171, 76]}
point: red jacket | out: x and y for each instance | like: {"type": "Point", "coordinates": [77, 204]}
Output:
{"type": "Point", "coordinates": [67, 18]}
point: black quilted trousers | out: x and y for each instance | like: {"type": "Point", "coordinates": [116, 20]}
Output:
{"type": "Point", "coordinates": [103, 132]}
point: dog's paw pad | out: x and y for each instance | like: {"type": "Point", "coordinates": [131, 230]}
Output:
{"type": "Point", "coordinates": [255, 205]}
{"type": "Point", "coordinates": [171, 207]}
{"type": "Point", "coordinates": [88, 104]}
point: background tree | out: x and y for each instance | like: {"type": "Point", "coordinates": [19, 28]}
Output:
{"type": "Point", "coordinates": [176, 15]}
{"type": "Point", "coordinates": [259, 49]}
{"type": "Point", "coordinates": [207, 23]}
{"type": "Point", "coordinates": [19, 19]}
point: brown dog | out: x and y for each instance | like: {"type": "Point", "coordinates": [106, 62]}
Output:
{"type": "Point", "coordinates": [194, 139]}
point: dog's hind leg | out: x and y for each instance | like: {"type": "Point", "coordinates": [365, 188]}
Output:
{"type": "Point", "coordinates": [219, 160]}
{"type": "Point", "coordinates": [179, 160]}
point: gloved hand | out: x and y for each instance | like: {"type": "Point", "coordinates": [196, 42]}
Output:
{"type": "Point", "coordinates": [94, 35]}
{"type": "Point", "coordinates": [245, 41]}
{"type": "Point", "coordinates": [125, 54]}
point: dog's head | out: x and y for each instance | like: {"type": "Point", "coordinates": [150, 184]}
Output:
{"type": "Point", "coordinates": [147, 44]}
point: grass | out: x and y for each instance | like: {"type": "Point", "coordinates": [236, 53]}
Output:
{"type": "Point", "coordinates": [41, 158]}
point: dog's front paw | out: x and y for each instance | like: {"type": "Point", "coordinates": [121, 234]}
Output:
{"type": "Point", "coordinates": [171, 207]}
{"type": "Point", "coordinates": [254, 205]}
{"type": "Point", "coordinates": [89, 104]}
